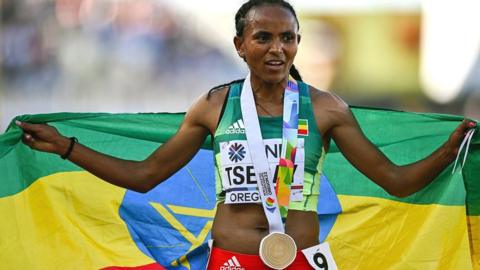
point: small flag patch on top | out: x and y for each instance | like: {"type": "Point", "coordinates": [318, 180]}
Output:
{"type": "Point", "coordinates": [303, 127]}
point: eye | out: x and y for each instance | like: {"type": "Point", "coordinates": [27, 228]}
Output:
{"type": "Point", "coordinates": [288, 37]}
{"type": "Point", "coordinates": [262, 37]}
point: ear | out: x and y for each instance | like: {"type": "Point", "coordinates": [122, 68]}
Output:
{"type": "Point", "coordinates": [299, 37]}
{"type": "Point", "coordinates": [238, 41]}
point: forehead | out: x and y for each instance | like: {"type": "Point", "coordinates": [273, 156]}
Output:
{"type": "Point", "coordinates": [270, 18]}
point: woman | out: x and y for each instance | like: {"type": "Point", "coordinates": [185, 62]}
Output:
{"type": "Point", "coordinates": [267, 39]}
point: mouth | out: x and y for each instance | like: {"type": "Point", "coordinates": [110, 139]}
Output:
{"type": "Point", "coordinates": [275, 64]}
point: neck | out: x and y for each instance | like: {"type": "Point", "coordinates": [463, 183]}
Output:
{"type": "Point", "coordinates": [267, 91]}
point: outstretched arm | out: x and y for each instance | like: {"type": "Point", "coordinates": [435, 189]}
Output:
{"type": "Point", "coordinates": [135, 175]}
{"type": "Point", "coordinates": [400, 181]}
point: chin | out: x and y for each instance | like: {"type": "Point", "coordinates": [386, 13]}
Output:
{"type": "Point", "coordinates": [275, 78]}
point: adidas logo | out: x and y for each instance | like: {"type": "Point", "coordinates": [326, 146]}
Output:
{"type": "Point", "coordinates": [236, 128]}
{"type": "Point", "coordinates": [232, 264]}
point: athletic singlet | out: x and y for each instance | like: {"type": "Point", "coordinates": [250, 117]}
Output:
{"type": "Point", "coordinates": [234, 176]}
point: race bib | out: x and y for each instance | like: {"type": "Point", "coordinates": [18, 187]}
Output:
{"type": "Point", "coordinates": [320, 257]}
{"type": "Point", "coordinates": [238, 175]}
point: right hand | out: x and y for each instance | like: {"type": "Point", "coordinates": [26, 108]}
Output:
{"type": "Point", "coordinates": [43, 137]}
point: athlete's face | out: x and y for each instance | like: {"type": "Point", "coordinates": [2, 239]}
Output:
{"type": "Point", "coordinates": [269, 43]}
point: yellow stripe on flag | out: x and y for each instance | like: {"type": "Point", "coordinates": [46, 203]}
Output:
{"type": "Point", "coordinates": [69, 220]}
{"type": "Point", "coordinates": [474, 229]}
{"type": "Point", "coordinates": [423, 237]}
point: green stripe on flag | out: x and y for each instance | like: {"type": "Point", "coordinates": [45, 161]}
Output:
{"type": "Point", "coordinates": [130, 136]}
{"type": "Point", "coordinates": [404, 137]}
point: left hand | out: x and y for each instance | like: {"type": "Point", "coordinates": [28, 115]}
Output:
{"type": "Point", "coordinates": [453, 143]}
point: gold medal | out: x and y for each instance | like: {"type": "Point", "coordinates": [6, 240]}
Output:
{"type": "Point", "coordinates": [278, 250]}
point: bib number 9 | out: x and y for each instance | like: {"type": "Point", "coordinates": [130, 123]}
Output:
{"type": "Point", "coordinates": [320, 257]}
{"type": "Point", "coordinates": [320, 261]}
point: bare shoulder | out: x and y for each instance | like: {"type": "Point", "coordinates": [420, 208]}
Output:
{"type": "Point", "coordinates": [216, 96]}
{"type": "Point", "coordinates": [327, 101]}
{"type": "Point", "coordinates": [205, 111]}
{"type": "Point", "coordinates": [329, 109]}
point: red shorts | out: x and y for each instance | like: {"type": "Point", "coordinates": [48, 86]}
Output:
{"type": "Point", "coordinates": [221, 259]}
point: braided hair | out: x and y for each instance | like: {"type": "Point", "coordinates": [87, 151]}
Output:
{"type": "Point", "coordinates": [240, 22]}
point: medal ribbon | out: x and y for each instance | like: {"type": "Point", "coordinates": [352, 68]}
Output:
{"type": "Point", "coordinates": [256, 147]}
{"type": "Point", "coordinates": [289, 145]}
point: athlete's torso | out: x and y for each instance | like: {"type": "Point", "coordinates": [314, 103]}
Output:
{"type": "Point", "coordinates": [240, 227]}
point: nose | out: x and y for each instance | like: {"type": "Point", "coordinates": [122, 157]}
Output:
{"type": "Point", "coordinates": [277, 46]}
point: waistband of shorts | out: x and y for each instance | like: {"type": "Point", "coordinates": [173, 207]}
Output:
{"type": "Point", "coordinates": [234, 260]}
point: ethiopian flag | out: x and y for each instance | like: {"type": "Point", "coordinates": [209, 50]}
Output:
{"type": "Point", "coordinates": [54, 215]}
